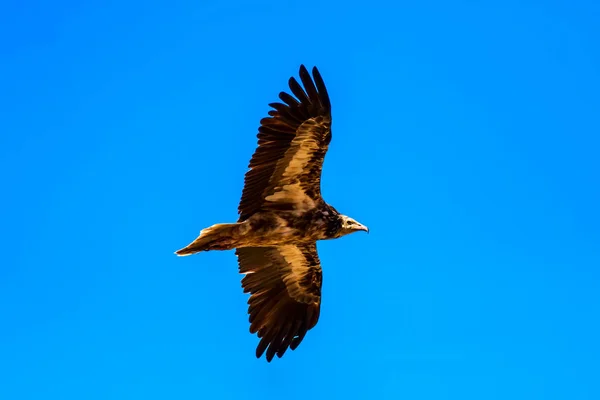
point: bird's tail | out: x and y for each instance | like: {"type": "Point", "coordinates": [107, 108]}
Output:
{"type": "Point", "coordinates": [216, 237]}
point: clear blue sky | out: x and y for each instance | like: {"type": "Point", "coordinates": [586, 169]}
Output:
{"type": "Point", "coordinates": [466, 136]}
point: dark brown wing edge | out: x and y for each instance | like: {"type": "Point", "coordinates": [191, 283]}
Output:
{"type": "Point", "coordinates": [277, 131]}
{"type": "Point", "coordinates": [278, 319]}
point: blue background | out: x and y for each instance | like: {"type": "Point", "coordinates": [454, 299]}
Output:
{"type": "Point", "coordinates": [465, 135]}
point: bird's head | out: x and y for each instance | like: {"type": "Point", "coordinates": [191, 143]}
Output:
{"type": "Point", "coordinates": [350, 225]}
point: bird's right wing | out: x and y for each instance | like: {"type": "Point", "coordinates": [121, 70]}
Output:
{"type": "Point", "coordinates": [284, 283]}
{"type": "Point", "coordinates": [285, 169]}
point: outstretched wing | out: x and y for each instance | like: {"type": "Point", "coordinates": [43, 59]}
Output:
{"type": "Point", "coordinates": [284, 283]}
{"type": "Point", "coordinates": [285, 169]}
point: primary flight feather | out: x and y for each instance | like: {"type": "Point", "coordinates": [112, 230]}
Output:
{"type": "Point", "coordinates": [281, 217]}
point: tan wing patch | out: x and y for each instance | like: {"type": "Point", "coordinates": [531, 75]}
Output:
{"type": "Point", "coordinates": [294, 172]}
{"type": "Point", "coordinates": [295, 273]}
{"type": "Point", "coordinates": [304, 147]}
{"type": "Point", "coordinates": [292, 194]}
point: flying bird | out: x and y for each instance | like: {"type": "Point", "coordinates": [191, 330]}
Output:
{"type": "Point", "coordinates": [281, 217]}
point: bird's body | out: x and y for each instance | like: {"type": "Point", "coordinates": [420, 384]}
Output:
{"type": "Point", "coordinates": [275, 228]}
{"type": "Point", "coordinates": [282, 216]}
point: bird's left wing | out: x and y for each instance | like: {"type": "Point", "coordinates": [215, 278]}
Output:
{"type": "Point", "coordinates": [285, 169]}
{"type": "Point", "coordinates": [284, 283]}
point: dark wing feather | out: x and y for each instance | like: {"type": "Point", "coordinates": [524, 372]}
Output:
{"type": "Point", "coordinates": [292, 143]}
{"type": "Point", "coordinates": [284, 283]}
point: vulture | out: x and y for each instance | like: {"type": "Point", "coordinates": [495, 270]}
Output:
{"type": "Point", "coordinates": [281, 217]}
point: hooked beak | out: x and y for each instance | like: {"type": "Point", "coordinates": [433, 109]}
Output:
{"type": "Point", "coordinates": [362, 227]}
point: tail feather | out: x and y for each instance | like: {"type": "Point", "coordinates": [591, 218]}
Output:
{"type": "Point", "coordinates": [216, 237]}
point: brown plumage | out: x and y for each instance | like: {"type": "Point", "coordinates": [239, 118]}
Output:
{"type": "Point", "coordinates": [285, 287]}
{"type": "Point", "coordinates": [281, 216]}
{"type": "Point", "coordinates": [294, 129]}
